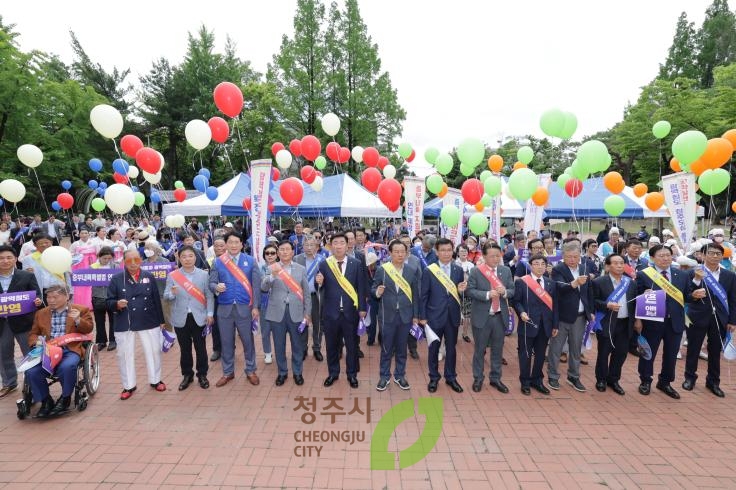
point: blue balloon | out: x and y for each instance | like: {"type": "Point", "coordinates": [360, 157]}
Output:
{"type": "Point", "coordinates": [101, 191]}
{"type": "Point", "coordinates": [95, 164]}
{"type": "Point", "coordinates": [93, 184]}
{"type": "Point", "coordinates": [2, 203]}
{"type": "Point", "coordinates": [205, 172]}
{"type": "Point", "coordinates": [212, 193]}
{"type": "Point", "coordinates": [155, 197]}
{"type": "Point", "coordinates": [103, 185]}
{"type": "Point", "coordinates": [66, 185]}
{"type": "Point", "coordinates": [120, 166]}
{"type": "Point", "coordinates": [200, 183]}
{"type": "Point", "coordinates": [134, 188]}
{"type": "Point", "coordinates": [56, 206]}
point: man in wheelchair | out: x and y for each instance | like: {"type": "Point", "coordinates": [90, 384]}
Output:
{"type": "Point", "coordinates": [56, 320]}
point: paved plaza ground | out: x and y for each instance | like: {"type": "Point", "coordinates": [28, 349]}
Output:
{"type": "Point", "coordinates": [244, 436]}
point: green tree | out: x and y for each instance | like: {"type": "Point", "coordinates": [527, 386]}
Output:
{"type": "Point", "coordinates": [681, 59]}
{"type": "Point", "coordinates": [716, 41]}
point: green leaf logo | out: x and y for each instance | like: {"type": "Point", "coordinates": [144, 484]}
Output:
{"type": "Point", "coordinates": [381, 458]}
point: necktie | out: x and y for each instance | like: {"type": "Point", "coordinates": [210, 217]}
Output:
{"type": "Point", "coordinates": [339, 266]}
{"type": "Point", "coordinates": [539, 281]}
{"type": "Point", "coordinates": [495, 302]}
{"type": "Point", "coordinates": [664, 273]}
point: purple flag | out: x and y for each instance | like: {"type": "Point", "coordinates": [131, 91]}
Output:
{"type": "Point", "coordinates": [652, 306]}
{"type": "Point", "coordinates": [361, 328]}
{"type": "Point", "coordinates": [254, 326]}
{"type": "Point", "coordinates": [18, 303]}
{"type": "Point", "coordinates": [417, 332]}
{"type": "Point", "coordinates": [512, 323]}
{"type": "Point", "coordinates": [206, 330]}
{"type": "Point", "coordinates": [168, 341]}
{"type": "Point", "coordinates": [302, 326]}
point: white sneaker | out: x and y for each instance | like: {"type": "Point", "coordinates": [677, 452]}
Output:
{"type": "Point", "coordinates": [269, 360]}
{"type": "Point", "coordinates": [703, 355]}
{"type": "Point", "coordinates": [679, 355]}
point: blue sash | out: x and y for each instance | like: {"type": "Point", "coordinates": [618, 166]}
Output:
{"type": "Point", "coordinates": [421, 256]}
{"type": "Point", "coordinates": [715, 287]}
{"type": "Point", "coordinates": [614, 297]}
{"type": "Point", "coordinates": [313, 268]}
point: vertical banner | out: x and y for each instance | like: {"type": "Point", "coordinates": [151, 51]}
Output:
{"type": "Point", "coordinates": [414, 191]}
{"type": "Point", "coordinates": [532, 212]}
{"type": "Point", "coordinates": [454, 233]}
{"type": "Point", "coordinates": [679, 196]}
{"type": "Point", "coordinates": [494, 226]}
{"type": "Point", "coordinates": [260, 184]}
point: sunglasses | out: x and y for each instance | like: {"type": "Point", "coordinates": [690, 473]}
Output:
{"type": "Point", "coordinates": [269, 253]}
{"type": "Point", "coordinates": [134, 260]}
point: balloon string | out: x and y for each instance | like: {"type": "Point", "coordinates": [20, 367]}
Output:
{"type": "Point", "coordinates": [43, 197]}
{"type": "Point", "coordinates": [227, 157]}
{"type": "Point", "coordinates": [240, 140]}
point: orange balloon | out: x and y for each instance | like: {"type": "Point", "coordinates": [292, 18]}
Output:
{"type": "Point", "coordinates": [717, 153]}
{"type": "Point", "coordinates": [730, 135]}
{"type": "Point", "coordinates": [640, 190]}
{"type": "Point", "coordinates": [495, 163]}
{"type": "Point", "coordinates": [654, 200]}
{"type": "Point", "coordinates": [698, 166]}
{"type": "Point", "coordinates": [675, 165]}
{"type": "Point", "coordinates": [614, 182]}
{"type": "Point", "coordinates": [540, 196]}
{"type": "Point", "coordinates": [733, 207]}
{"type": "Point", "coordinates": [443, 191]}
{"type": "Point", "coordinates": [519, 165]}
{"type": "Point", "coordinates": [479, 206]}
{"type": "Point", "coordinates": [727, 252]}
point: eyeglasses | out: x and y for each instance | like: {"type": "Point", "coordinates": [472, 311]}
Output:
{"type": "Point", "coordinates": [133, 260]}
{"type": "Point", "coordinates": [714, 253]}
{"type": "Point", "coordinates": [269, 253]}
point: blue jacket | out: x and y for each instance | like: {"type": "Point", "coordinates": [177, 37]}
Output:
{"type": "Point", "coordinates": [568, 298]}
{"type": "Point", "coordinates": [144, 303]}
{"type": "Point", "coordinates": [701, 311]}
{"type": "Point", "coordinates": [431, 257]}
{"type": "Point", "coordinates": [525, 301]}
{"type": "Point", "coordinates": [436, 305]}
{"type": "Point", "coordinates": [333, 292]}
{"type": "Point", "coordinates": [675, 311]}
{"type": "Point", "coordinates": [394, 302]}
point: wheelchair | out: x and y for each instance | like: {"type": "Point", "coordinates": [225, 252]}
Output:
{"type": "Point", "coordinates": [88, 381]}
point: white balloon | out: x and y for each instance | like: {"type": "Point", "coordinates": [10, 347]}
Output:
{"type": "Point", "coordinates": [179, 220]}
{"type": "Point", "coordinates": [106, 120]}
{"type": "Point", "coordinates": [30, 155]}
{"type": "Point", "coordinates": [163, 162]}
{"type": "Point", "coordinates": [133, 172]}
{"type": "Point", "coordinates": [330, 124]}
{"type": "Point", "coordinates": [152, 178]}
{"type": "Point", "coordinates": [283, 159]}
{"type": "Point", "coordinates": [168, 222]}
{"type": "Point", "coordinates": [198, 134]}
{"type": "Point", "coordinates": [119, 198]}
{"type": "Point", "coordinates": [357, 154]}
{"type": "Point", "coordinates": [317, 184]}
{"type": "Point", "coordinates": [389, 171]}
{"type": "Point", "coordinates": [12, 190]}
{"type": "Point", "coordinates": [57, 260]}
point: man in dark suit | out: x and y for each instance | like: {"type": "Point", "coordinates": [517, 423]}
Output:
{"type": "Point", "coordinates": [360, 257]}
{"type": "Point", "coordinates": [414, 261]}
{"type": "Point", "coordinates": [534, 305]}
{"type": "Point", "coordinates": [668, 332]}
{"type": "Point", "coordinates": [344, 304]}
{"type": "Point", "coordinates": [489, 286]}
{"type": "Point", "coordinates": [425, 253]}
{"type": "Point", "coordinates": [617, 323]}
{"type": "Point", "coordinates": [439, 306]}
{"type": "Point", "coordinates": [712, 309]}
{"type": "Point", "coordinates": [522, 268]}
{"type": "Point", "coordinates": [396, 286]}
{"type": "Point", "coordinates": [574, 309]}
{"type": "Point", "coordinates": [14, 328]}
{"type": "Point", "coordinates": [633, 263]}
{"type": "Point", "coordinates": [73, 228]}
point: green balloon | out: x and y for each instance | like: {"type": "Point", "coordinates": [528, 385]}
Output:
{"type": "Point", "coordinates": [562, 180]}
{"type": "Point", "coordinates": [569, 171]}
{"type": "Point", "coordinates": [431, 154]}
{"type": "Point", "coordinates": [484, 175]}
{"type": "Point", "coordinates": [486, 200]}
{"type": "Point", "coordinates": [140, 198]}
{"type": "Point", "coordinates": [478, 224]}
{"type": "Point", "coordinates": [578, 171]}
{"type": "Point", "coordinates": [569, 126]}
{"type": "Point", "coordinates": [450, 215]}
{"type": "Point", "coordinates": [525, 155]}
{"type": "Point", "coordinates": [178, 184]}
{"type": "Point", "coordinates": [98, 204]}
{"type": "Point", "coordinates": [592, 155]}
{"type": "Point", "coordinates": [492, 186]}
{"type": "Point", "coordinates": [614, 205]}
{"type": "Point", "coordinates": [523, 183]}
{"type": "Point", "coordinates": [434, 183]}
{"type": "Point", "coordinates": [605, 163]}
{"type": "Point", "coordinates": [689, 146]}
{"type": "Point", "coordinates": [661, 129]}
{"type": "Point", "coordinates": [471, 152]}
{"type": "Point", "coordinates": [404, 150]}
{"type": "Point", "coordinates": [714, 182]}
{"type": "Point", "coordinates": [466, 170]}
{"type": "Point", "coordinates": [552, 122]}
{"type": "Point", "coordinates": [444, 164]}
{"type": "Point", "coordinates": [320, 162]}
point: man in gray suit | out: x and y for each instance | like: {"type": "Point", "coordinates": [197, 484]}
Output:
{"type": "Point", "coordinates": [310, 259]}
{"type": "Point", "coordinates": [193, 307]}
{"type": "Point", "coordinates": [52, 228]}
{"type": "Point", "coordinates": [489, 287]}
{"type": "Point", "coordinates": [289, 304]}
{"type": "Point", "coordinates": [396, 286]}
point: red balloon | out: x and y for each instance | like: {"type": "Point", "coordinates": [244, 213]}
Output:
{"type": "Point", "coordinates": [370, 178]}
{"type": "Point", "coordinates": [344, 156]}
{"type": "Point", "coordinates": [311, 147]}
{"type": "Point", "coordinates": [180, 194]}
{"type": "Point", "coordinates": [370, 157]}
{"type": "Point", "coordinates": [130, 144]}
{"type": "Point", "coordinates": [410, 158]}
{"type": "Point", "coordinates": [382, 162]}
{"type": "Point", "coordinates": [389, 192]}
{"type": "Point", "coordinates": [228, 98]}
{"type": "Point", "coordinates": [472, 191]}
{"type": "Point", "coordinates": [332, 150]}
{"type": "Point", "coordinates": [573, 187]}
{"type": "Point", "coordinates": [246, 203]}
{"type": "Point", "coordinates": [119, 178]}
{"type": "Point", "coordinates": [276, 147]}
{"type": "Point", "coordinates": [220, 129]}
{"type": "Point", "coordinates": [295, 147]}
{"type": "Point", "coordinates": [271, 207]}
{"type": "Point", "coordinates": [291, 191]}
{"type": "Point", "coordinates": [148, 160]}
{"type": "Point", "coordinates": [308, 174]}
{"type": "Point", "coordinates": [65, 200]}
{"type": "Point", "coordinates": [275, 174]}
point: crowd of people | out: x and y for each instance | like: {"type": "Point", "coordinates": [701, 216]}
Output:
{"type": "Point", "coordinates": [334, 283]}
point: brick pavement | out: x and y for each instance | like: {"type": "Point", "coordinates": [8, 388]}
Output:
{"type": "Point", "coordinates": [243, 436]}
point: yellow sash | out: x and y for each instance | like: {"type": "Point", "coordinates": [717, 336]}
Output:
{"type": "Point", "coordinates": [445, 281]}
{"type": "Point", "coordinates": [37, 257]}
{"type": "Point", "coordinates": [397, 278]}
{"type": "Point", "coordinates": [665, 285]}
{"type": "Point", "coordinates": [342, 280]}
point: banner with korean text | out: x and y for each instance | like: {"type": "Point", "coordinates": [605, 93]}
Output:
{"type": "Point", "coordinates": [260, 185]}
{"type": "Point", "coordinates": [532, 212]}
{"type": "Point", "coordinates": [679, 195]}
{"type": "Point", "coordinates": [454, 233]}
{"type": "Point", "coordinates": [414, 191]}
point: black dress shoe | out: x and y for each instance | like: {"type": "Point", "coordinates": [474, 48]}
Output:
{"type": "Point", "coordinates": [466, 338]}
{"type": "Point", "coordinates": [668, 390]}
{"type": "Point", "coordinates": [47, 406]}
{"type": "Point", "coordinates": [318, 356]}
{"type": "Point", "coordinates": [500, 386]}
{"type": "Point", "coordinates": [504, 361]}
{"type": "Point", "coordinates": [203, 382]}
{"type": "Point", "coordinates": [185, 382]}
{"type": "Point", "coordinates": [600, 386]}
{"type": "Point", "coordinates": [414, 354]}
{"type": "Point", "coordinates": [215, 356]}
{"type": "Point", "coordinates": [454, 385]}
{"type": "Point", "coordinates": [477, 386]}
{"type": "Point", "coordinates": [688, 385]}
{"type": "Point", "coordinates": [525, 390]}
{"type": "Point", "coordinates": [617, 388]}
{"type": "Point", "coordinates": [432, 386]}
{"type": "Point", "coordinates": [353, 381]}
{"type": "Point", "coordinates": [645, 388]}
{"type": "Point", "coordinates": [62, 406]}
{"type": "Point", "coordinates": [361, 355]}
{"type": "Point", "coordinates": [715, 389]}
{"type": "Point", "coordinates": [298, 379]}
{"type": "Point", "coordinates": [541, 388]}
{"type": "Point", "coordinates": [280, 379]}
{"type": "Point", "coordinates": [329, 380]}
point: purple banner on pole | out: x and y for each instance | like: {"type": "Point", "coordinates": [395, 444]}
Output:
{"type": "Point", "coordinates": [101, 277]}
{"type": "Point", "coordinates": [18, 303]}
{"type": "Point", "coordinates": [652, 306]}
{"type": "Point", "coordinates": [159, 269]}
{"type": "Point", "coordinates": [554, 259]}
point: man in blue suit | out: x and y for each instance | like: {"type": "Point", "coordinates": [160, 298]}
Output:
{"type": "Point", "coordinates": [425, 253]}
{"type": "Point", "coordinates": [534, 296]}
{"type": "Point", "coordinates": [668, 332]}
{"type": "Point", "coordinates": [439, 306]}
{"type": "Point", "coordinates": [712, 309]}
{"type": "Point", "coordinates": [343, 285]}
